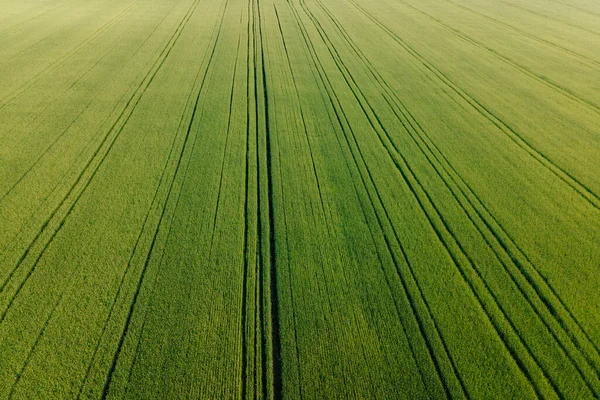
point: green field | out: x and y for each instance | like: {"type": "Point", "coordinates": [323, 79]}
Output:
{"type": "Point", "coordinates": [315, 199]}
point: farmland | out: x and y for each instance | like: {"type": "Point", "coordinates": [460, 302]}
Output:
{"type": "Point", "coordinates": [299, 199]}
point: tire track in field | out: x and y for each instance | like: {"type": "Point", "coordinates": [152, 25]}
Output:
{"type": "Point", "coordinates": [585, 192]}
{"type": "Point", "coordinates": [544, 16]}
{"type": "Point", "coordinates": [582, 57]}
{"type": "Point", "coordinates": [302, 115]}
{"type": "Point", "coordinates": [66, 57]}
{"type": "Point", "coordinates": [433, 355]}
{"type": "Point", "coordinates": [379, 201]}
{"type": "Point", "coordinates": [395, 300]}
{"type": "Point", "coordinates": [527, 71]}
{"type": "Point", "coordinates": [253, 253]}
{"type": "Point", "coordinates": [246, 304]}
{"type": "Point", "coordinates": [216, 31]}
{"type": "Point", "coordinates": [31, 351]}
{"type": "Point", "coordinates": [503, 243]}
{"type": "Point", "coordinates": [16, 27]}
{"type": "Point", "coordinates": [254, 363]}
{"type": "Point", "coordinates": [496, 313]}
{"type": "Point", "coordinates": [266, 223]}
{"type": "Point", "coordinates": [227, 135]}
{"type": "Point", "coordinates": [408, 176]}
{"type": "Point", "coordinates": [309, 144]}
{"type": "Point", "coordinates": [384, 221]}
{"type": "Point", "coordinates": [585, 378]}
{"type": "Point", "coordinates": [259, 328]}
{"type": "Point", "coordinates": [595, 14]}
{"type": "Point", "coordinates": [90, 168]}
{"type": "Point", "coordinates": [217, 207]}
{"type": "Point", "coordinates": [57, 304]}
{"type": "Point", "coordinates": [63, 133]}
{"type": "Point", "coordinates": [193, 104]}
{"type": "Point", "coordinates": [538, 301]}
{"type": "Point", "coordinates": [284, 215]}
{"type": "Point", "coordinates": [54, 189]}
{"type": "Point", "coordinates": [57, 139]}
{"type": "Point", "coordinates": [546, 305]}
{"type": "Point", "coordinates": [46, 151]}
{"type": "Point", "coordinates": [145, 224]}
{"type": "Point", "coordinates": [112, 369]}
{"type": "Point", "coordinates": [71, 170]}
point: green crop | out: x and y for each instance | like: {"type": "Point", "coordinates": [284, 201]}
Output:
{"type": "Point", "coordinates": [299, 199]}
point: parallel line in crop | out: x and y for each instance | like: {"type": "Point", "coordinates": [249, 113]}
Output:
{"type": "Point", "coordinates": [192, 103]}
{"type": "Point", "coordinates": [16, 27]}
{"type": "Point", "coordinates": [88, 148]}
{"type": "Point", "coordinates": [244, 345]}
{"type": "Point", "coordinates": [91, 168]}
{"type": "Point", "coordinates": [227, 135]}
{"type": "Point", "coordinates": [540, 303]}
{"type": "Point", "coordinates": [260, 330]}
{"type": "Point", "coordinates": [271, 357]}
{"type": "Point", "coordinates": [576, 8]}
{"type": "Point", "coordinates": [58, 302]}
{"type": "Point", "coordinates": [340, 115]}
{"type": "Point", "coordinates": [55, 189]}
{"type": "Point", "coordinates": [146, 225]}
{"type": "Point", "coordinates": [195, 109]}
{"type": "Point", "coordinates": [544, 16]}
{"type": "Point", "coordinates": [427, 202]}
{"type": "Point", "coordinates": [276, 345]}
{"type": "Point", "coordinates": [316, 176]}
{"type": "Point", "coordinates": [289, 269]}
{"type": "Point", "coordinates": [293, 307]}
{"type": "Point", "coordinates": [527, 71]}
{"type": "Point", "coordinates": [247, 291]}
{"type": "Point", "coordinates": [584, 191]}
{"type": "Point", "coordinates": [60, 182]}
{"type": "Point", "coordinates": [304, 123]}
{"type": "Point", "coordinates": [414, 129]}
{"type": "Point", "coordinates": [245, 278]}
{"type": "Point", "coordinates": [514, 343]}
{"type": "Point", "coordinates": [260, 363]}
{"type": "Point", "coordinates": [57, 139]}
{"type": "Point", "coordinates": [344, 76]}
{"type": "Point", "coordinates": [49, 148]}
{"type": "Point", "coordinates": [160, 262]}
{"type": "Point", "coordinates": [66, 57]}
{"type": "Point", "coordinates": [31, 351]}
{"type": "Point", "coordinates": [356, 154]}
{"type": "Point", "coordinates": [340, 68]}
{"type": "Point", "coordinates": [258, 366]}
{"type": "Point", "coordinates": [132, 305]}
{"type": "Point", "coordinates": [582, 57]}
{"type": "Point", "coordinates": [302, 116]}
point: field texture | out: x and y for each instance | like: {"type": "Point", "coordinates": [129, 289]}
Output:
{"type": "Point", "coordinates": [300, 199]}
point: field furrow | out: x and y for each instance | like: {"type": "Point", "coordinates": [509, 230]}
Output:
{"type": "Point", "coordinates": [277, 199]}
